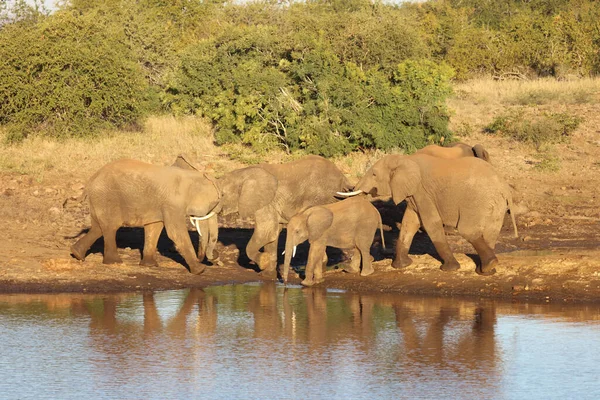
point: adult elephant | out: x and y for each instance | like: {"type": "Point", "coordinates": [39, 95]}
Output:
{"type": "Point", "coordinates": [134, 193]}
{"type": "Point", "coordinates": [463, 193]}
{"type": "Point", "coordinates": [271, 194]}
{"type": "Point", "coordinates": [456, 150]}
{"type": "Point", "coordinates": [410, 224]}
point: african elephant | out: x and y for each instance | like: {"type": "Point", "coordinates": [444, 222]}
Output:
{"type": "Point", "coordinates": [271, 194]}
{"type": "Point", "coordinates": [456, 150]}
{"type": "Point", "coordinates": [463, 193]}
{"type": "Point", "coordinates": [208, 229]}
{"type": "Point", "coordinates": [134, 193]}
{"type": "Point", "coordinates": [348, 224]}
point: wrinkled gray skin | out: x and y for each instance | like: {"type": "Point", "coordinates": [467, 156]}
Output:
{"type": "Point", "coordinates": [348, 224]}
{"type": "Point", "coordinates": [271, 194]}
{"type": "Point", "coordinates": [134, 193]}
{"type": "Point", "coordinates": [209, 228]}
{"type": "Point", "coordinates": [463, 193]}
{"type": "Point", "coordinates": [456, 150]}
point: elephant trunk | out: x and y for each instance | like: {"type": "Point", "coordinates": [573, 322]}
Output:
{"type": "Point", "coordinates": [290, 251]}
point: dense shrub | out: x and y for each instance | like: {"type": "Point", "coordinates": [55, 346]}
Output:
{"type": "Point", "coordinates": [270, 90]}
{"type": "Point", "coordinates": [535, 128]}
{"type": "Point", "coordinates": [323, 76]}
{"type": "Point", "coordinates": [68, 74]}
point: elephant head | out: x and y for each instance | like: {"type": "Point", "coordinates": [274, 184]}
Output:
{"type": "Point", "coordinates": [310, 224]}
{"type": "Point", "coordinates": [247, 190]}
{"type": "Point", "coordinates": [394, 175]}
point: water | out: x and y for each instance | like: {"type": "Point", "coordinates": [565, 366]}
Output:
{"type": "Point", "coordinates": [264, 341]}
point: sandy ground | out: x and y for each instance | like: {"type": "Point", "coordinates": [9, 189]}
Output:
{"type": "Point", "coordinates": [556, 257]}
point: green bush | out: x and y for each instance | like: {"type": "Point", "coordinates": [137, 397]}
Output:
{"type": "Point", "coordinates": [533, 127]}
{"type": "Point", "coordinates": [67, 75]}
{"type": "Point", "coordinates": [258, 88]}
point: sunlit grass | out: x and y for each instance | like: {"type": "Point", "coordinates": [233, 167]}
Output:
{"type": "Point", "coordinates": [529, 92]}
{"type": "Point", "coordinates": [159, 142]}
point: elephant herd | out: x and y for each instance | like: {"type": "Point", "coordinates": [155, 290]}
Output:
{"type": "Point", "coordinates": [444, 187]}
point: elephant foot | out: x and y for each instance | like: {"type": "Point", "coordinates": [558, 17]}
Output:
{"type": "Point", "coordinates": [270, 274]}
{"type": "Point", "coordinates": [450, 266]}
{"type": "Point", "coordinates": [312, 282]}
{"type": "Point", "coordinates": [401, 262]}
{"type": "Point", "coordinates": [265, 262]}
{"type": "Point", "coordinates": [487, 269]}
{"type": "Point", "coordinates": [367, 271]}
{"type": "Point", "coordinates": [149, 262]}
{"type": "Point", "coordinates": [78, 254]}
{"type": "Point", "coordinates": [197, 269]}
{"type": "Point", "coordinates": [112, 259]}
{"type": "Point", "coordinates": [351, 269]}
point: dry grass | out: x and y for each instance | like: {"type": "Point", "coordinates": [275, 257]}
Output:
{"type": "Point", "coordinates": [161, 139]}
{"type": "Point", "coordinates": [534, 92]}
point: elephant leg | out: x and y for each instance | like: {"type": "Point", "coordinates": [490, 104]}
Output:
{"type": "Point", "coordinates": [367, 260]}
{"type": "Point", "coordinates": [410, 226]}
{"type": "Point", "coordinates": [111, 255]}
{"type": "Point", "coordinates": [213, 236]}
{"type": "Point", "coordinates": [487, 257]}
{"type": "Point", "coordinates": [178, 233]}
{"type": "Point", "coordinates": [266, 233]}
{"type": "Point", "coordinates": [320, 268]}
{"type": "Point", "coordinates": [315, 260]}
{"type": "Point", "coordinates": [354, 267]}
{"type": "Point", "coordinates": [151, 235]}
{"type": "Point", "coordinates": [435, 229]}
{"type": "Point", "coordinates": [80, 248]}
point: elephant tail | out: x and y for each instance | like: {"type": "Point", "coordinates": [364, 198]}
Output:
{"type": "Point", "coordinates": [381, 231]}
{"type": "Point", "coordinates": [511, 211]}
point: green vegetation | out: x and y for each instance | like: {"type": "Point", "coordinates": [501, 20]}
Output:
{"type": "Point", "coordinates": [320, 76]}
{"type": "Point", "coordinates": [533, 127]}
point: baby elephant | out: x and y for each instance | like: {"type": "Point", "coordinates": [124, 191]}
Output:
{"type": "Point", "coordinates": [134, 193]}
{"type": "Point", "coordinates": [347, 224]}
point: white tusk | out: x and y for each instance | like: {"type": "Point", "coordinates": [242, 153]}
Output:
{"type": "Point", "coordinates": [207, 216]}
{"type": "Point", "coordinates": [293, 252]}
{"type": "Point", "coordinates": [348, 194]}
{"type": "Point", "coordinates": [194, 221]}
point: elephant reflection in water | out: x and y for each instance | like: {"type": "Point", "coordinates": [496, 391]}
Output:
{"type": "Point", "coordinates": [125, 342]}
{"type": "Point", "coordinates": [305, 318]}
{"type": "Point", "coordinates": [449, 340]}
{"type": "Point", "coordinates": [453, 335]}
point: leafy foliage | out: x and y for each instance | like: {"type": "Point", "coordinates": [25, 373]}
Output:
{"type": "Point", "coordinates": [534, 128]}
{"type": "Point", "coordinates": [52, 80]}
{"type": "Point", "coordinates": [319, 76]}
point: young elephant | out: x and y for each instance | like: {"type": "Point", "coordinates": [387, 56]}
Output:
{"type": "Point", "coordinates": [134, 193]}
{"type": "Point", "coordinates": [464, 193]}
{"type": "Point", "coordinates": [350, 223]}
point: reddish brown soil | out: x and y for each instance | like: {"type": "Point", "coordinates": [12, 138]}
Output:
{"type": "Point", "coordinates": [556, 258]}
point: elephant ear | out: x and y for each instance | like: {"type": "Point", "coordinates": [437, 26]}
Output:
{"type": "Point", "coordinates": [480, 152]}
{"type": "Point", "coordinates": [405, 179]}
{"type": "Point", "coordinates": [319, 219]}
{"type": "Point", "coordinates": [183, 161]}
{"type": "Point", "coordinates": [257, 190]}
